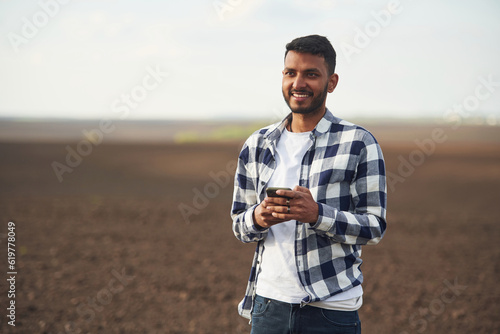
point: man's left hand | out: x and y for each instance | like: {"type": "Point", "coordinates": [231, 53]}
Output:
{"type": "Point", "coordinates": [300, 205]}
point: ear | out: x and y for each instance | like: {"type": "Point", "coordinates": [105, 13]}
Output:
{"type": "Point", "coordinates": [332, 82]}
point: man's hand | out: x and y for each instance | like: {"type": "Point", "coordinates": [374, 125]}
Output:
{"type": "Point", "coordinates": [300, 206]}
{"type": "Point", "coordinates": [263, 217]}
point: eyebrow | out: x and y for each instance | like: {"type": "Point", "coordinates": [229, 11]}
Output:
{"type": "Point", "coordinates": [309, 70]}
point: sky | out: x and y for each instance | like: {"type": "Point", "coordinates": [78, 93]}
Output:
{"type": "Point", "coordinates": [216, 59]}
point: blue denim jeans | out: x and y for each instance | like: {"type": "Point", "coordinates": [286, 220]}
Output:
{"type": "Point", "coordinates": [270, 316]}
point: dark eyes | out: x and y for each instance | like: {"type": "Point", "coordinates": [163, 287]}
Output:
{"type": "Point", "coordinates": [311, 74]}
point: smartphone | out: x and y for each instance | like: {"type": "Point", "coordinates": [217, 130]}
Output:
{"type": "Point", "coordinates": [271, 191]}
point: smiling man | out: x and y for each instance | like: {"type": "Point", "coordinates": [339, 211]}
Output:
{"type": "Point", "coordinates": [306, 275]}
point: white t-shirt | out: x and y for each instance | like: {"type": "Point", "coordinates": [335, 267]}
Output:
{"type": "Point", "coordinates": [278, 278]}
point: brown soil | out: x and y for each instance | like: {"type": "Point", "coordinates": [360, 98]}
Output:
{"type": "Point", "coordinates": [108, 250]}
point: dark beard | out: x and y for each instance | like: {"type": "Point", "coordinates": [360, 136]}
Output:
{"type": "Point", "coordinates": [315, 105]}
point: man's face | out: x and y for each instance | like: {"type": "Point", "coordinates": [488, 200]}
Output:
{"type": "Point", "coordinates": [306, 82]}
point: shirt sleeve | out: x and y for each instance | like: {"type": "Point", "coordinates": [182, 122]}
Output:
{"type": "Point", "coordinates": [245, 199]}
{"type": "Point", "coordinates": [365, 223]}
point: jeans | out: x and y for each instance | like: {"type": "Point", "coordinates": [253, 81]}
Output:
{"type": "Point", "coordinates": [270, 316]}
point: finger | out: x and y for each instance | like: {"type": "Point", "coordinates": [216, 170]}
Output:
{"type": "Point", "coordinates": [277, 208]}
{"type": "Point", "coordinates": [272, 219]}
{"type": "Point", "coordinates": [286, 193]}
{"type": "Point", "coordinates": [282, 216]}
{"type": "Point", "coordinates": [301, 189]}
{"type": "Point", "coordinates": [268, 211]}
{"type": "Point", "coordinates": [278, 201]}
{"type": "Point", "coordinates": [270, 201]}
{"type": "Point", "coordinates": [281, 209]}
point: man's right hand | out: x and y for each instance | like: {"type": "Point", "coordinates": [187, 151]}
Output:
{"type": "Point", "coordinates": [263, 217]}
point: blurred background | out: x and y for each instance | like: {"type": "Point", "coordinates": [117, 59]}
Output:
{"type": "Point", "coordinates": [223, 58]}
{"type": "Point", "coordinates": [121, 122]}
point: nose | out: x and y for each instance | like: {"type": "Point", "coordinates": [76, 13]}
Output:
{"type": "Point", "coordinates": [299, 82]}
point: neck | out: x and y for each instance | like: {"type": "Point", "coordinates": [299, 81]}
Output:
{"type": "Point", "coordinates": [304, 122]}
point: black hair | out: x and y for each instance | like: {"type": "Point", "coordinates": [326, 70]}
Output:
{"type": "Point", "coordinates": [316, 45]}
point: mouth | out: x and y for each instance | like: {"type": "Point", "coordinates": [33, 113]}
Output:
{"type": "Point", "coordinates": [300, 95]}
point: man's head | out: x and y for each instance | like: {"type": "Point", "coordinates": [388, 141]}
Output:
{"type": "Point", "coordinates": [309, 74]}
{"type": "Point", "coordinates": [315, 45]}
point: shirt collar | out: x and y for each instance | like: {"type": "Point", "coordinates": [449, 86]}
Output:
{"type": "Point", "coordinates": [322, 127]}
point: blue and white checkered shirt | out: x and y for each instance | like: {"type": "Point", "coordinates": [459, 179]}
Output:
{"type": "Point", "coordinates": [344, 170]}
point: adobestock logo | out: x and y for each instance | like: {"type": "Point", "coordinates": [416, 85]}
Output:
{"type": "Point", "coordinates": [87, 310]}
{"type": "Point", "coordinates": [471, 103]}
{"type": "Point", "coordinates": [211, 190]}
{"type": "Point", "coordinates": [420, 319]}
{"type": "Point", "coordinates": [455, 117]}
{"type": "Point", "coordinates": [227, 6]}
{"type": "Point", "coordinates": [120, 106]}
{"type": "Point", "coordinates": [31, 27]}
{"type": "Point", "coordinates": [371, 30]}
{"type": "Point", "coordinates": [139, 93]}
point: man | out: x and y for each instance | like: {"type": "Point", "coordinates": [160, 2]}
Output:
{"type": "Point", "coordinates": [305, 276]}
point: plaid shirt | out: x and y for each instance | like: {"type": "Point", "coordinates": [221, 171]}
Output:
{"type": "Point", "coordinates": [344, 170]}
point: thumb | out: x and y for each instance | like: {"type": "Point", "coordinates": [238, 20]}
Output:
{"type": "Point", "coordinates": [301, 189]}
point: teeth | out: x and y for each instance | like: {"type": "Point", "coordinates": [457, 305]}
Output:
{"type": "Point", "coordinates": [300, 95]}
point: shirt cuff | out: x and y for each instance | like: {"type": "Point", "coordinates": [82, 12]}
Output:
{"type": "Point", "coordinates": [326, 219]}
{"type": "Point", "coordinates": [252, 227]}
